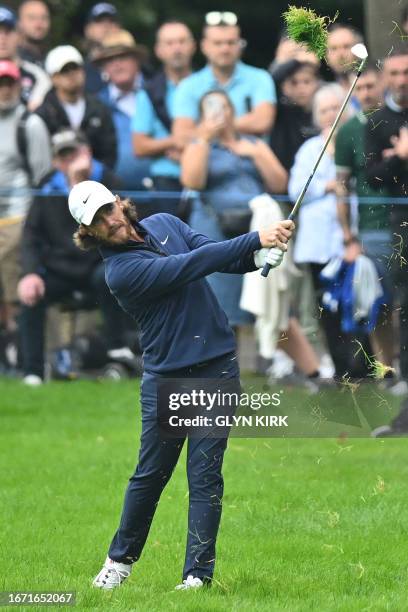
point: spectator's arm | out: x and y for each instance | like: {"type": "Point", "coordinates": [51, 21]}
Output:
{"type": "Point", "coordinates": [185, 113]}
{"type": "Point", "coordinates": [147, 146]}
{"type": "Point", "coordinates": [32, 239]}
{"type": "Point", "coordinates": [343, 176]}
{"type": "Point", "coordinates": [259, 121]}
{"type": "Point", "coordinates": [184, 130]}
{"type": "Point", "coordinates": [194, 165]}
{"type": "Point", "coordinates": [274, 175]}
{"type": "Point", "coordinates": [38, 148]}
{"type": "Point", "coordinates": [144, 144]}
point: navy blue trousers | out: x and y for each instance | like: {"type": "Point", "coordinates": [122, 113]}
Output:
{"type": "Point", "coordinates": [157, 460]}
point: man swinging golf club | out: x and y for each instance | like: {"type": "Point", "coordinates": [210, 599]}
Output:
{"type": "Point", "coordinates": [156, 269]}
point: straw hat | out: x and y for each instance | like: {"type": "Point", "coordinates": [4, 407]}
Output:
{"type": "Point", "coordinates": [117, 44]}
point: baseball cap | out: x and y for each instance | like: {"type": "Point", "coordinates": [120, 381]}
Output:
{"type": "Point", "coordinates": [9, 69]}
{"type": "Point", "coordinates": [60, 56]}
{"type": "Point", "coordinates": [102, 9]}
{"type": "Point", "coordinates": [7, 18]}
{"type": "Point", "coordinates": [65, 139]}
{"type": "Point", "coordinates": [86, 198]}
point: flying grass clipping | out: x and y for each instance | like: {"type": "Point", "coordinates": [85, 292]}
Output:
{"type": "Point", "coordinates": [306, 27]}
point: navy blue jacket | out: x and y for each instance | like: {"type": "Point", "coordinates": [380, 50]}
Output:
{"type": "Point", "coordinates": [161, 284]}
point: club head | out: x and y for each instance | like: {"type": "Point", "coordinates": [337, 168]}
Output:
{"type": "Point", "coordinates": [360, 51]}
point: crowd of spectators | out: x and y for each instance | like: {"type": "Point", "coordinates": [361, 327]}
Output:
{"type": "Point", "coordinates": [221, 147]}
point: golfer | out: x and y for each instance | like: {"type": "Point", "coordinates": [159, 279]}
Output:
{"type": "Point", "coordinates": [156, 269]}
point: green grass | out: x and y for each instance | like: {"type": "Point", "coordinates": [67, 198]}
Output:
{"type": "Point", "coordinates": [308, 524]}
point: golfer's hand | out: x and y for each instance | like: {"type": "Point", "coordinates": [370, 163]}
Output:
{"type": "Point", "coordinates": [31, 289]}
{"type": "Point", "coordinates": [277, 235]}
{"type": "Point", "coordinates": [273, 257]}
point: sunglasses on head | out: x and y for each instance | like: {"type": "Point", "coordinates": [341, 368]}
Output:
{"type": "Point", "coordinates": [215, 18]}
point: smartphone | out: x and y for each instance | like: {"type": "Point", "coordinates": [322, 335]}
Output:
{"type": "Point", "coordinates": [213, 107]}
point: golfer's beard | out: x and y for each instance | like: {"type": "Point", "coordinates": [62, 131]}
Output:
{"type": "Point", "coordinates": [112, 239]}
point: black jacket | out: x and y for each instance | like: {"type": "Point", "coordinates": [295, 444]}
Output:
{"type": "Point", "coordinates": [47, 243]}
{"type": "Point", "coordinates": [390, 172]}
{"type": "Point", "coordinates": [293, 126]}
{"type": "Point", "coordinates": [97, 125]}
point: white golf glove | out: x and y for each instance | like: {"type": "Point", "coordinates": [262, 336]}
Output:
{"type": "Point", "coordinates": [273, 257]}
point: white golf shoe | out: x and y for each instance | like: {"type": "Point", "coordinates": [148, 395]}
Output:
{"type": "Point", "coordinates": [191, 582]}
{"type": "Point", "coordinates": [112, 574]}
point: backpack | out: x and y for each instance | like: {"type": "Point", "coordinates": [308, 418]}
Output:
{"type": "Point", "coordinates": [22, 139]}
{"type": "Point", "coordinates": [156, 90]}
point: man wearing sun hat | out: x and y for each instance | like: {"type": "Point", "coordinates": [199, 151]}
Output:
{"type": "Point", "coordinates": [68, 106]}
{"type": "Point", "coordinates": [121, 59]}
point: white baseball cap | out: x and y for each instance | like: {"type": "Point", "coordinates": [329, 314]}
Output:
{"type": "Point", "coordinates": [60, 56]}
{"type": "Point", "coordinates": [86, 198]}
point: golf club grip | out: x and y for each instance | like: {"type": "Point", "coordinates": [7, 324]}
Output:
{"type": "Point", "coordinates": [267, 267]}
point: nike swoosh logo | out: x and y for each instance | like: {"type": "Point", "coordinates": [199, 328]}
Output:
{"type": "Point", "coordinates": [86, 199]}
{"type": "Point", "coordinates": [165, 240]}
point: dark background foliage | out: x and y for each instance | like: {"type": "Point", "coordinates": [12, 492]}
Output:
{"type": "Point", "coordinates": [260, 20]}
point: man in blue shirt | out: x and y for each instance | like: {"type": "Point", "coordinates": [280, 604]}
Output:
{"type": "Point", "coordinates": [251, 90]}
{"type": "Point", "coordinates": [156, 270]}
{"type": "Point", "coordinates": [151, 124]}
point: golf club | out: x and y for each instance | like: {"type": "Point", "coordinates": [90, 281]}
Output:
{"type": "Point", "coordinates": [359, 50]}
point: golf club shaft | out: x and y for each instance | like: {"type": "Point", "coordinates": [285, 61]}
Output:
{"type": "Point", "coordinates": [267, 267]}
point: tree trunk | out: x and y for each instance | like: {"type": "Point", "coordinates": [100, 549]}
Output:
{"type": "Point", "coordinates": [382, 25]}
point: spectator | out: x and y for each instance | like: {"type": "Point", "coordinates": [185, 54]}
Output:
{"type": "Point", "coordinates": [288, 50]}
{"type": "Point", "coordinates": [120, 57]}
{"type": "Point", "coordinates": [151, 124]}
{"type": "Point", "coordinates": [33, 26]}
{"type": "Point", "coordinates": [25, 158]}
{"type": "Point", "coordinates": [34, 81]}
{"type": "Point", "coordinates": [386, 148]}
{"type": "Point", "coordinates": [68, 106]}
{"type": "Point", "coordinates": [297, 83]}
{"type": "Point", "coordinates": [319, 211]}
{"type": "Point", "coordinates": [102, 21]}
{"type": "Point", "coordinates": [53, 267]}
{"type": "Point", "coordinates": [341, 38]}
{"type": "Point", "coordinates": [230, 170]}
{"type": "Point", "coordinates": [252, 90]}
{"type": "Point", "coordinates": [374, 232]}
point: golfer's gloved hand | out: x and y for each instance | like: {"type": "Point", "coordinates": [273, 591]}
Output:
{"type": "Point", "coordinates": [273, 257]}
